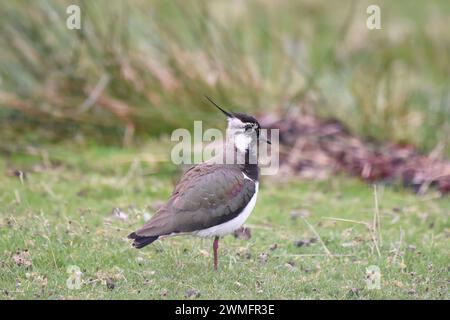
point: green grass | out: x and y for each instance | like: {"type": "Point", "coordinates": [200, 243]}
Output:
{"type": "Point", "coordinates": [61, 214]}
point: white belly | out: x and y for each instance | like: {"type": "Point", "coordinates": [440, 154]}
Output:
{"type": "Point", "coordinates": [235, 223]}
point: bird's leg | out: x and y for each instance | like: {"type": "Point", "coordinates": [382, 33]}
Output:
{"type": "Point", "coordinates": [215, 247]}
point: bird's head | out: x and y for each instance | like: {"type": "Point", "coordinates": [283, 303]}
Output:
{"type": "Point", "coordinates": [242, 129]}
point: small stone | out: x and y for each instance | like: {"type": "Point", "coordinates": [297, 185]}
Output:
{"type": "Point", "coordinates": [110, 284]}
{"type": "Point", "coordinates": [263, 257]}
{"type": "Point", "coordinates": [273, 247]}
{"type": "Point", "coordinates": [163, 293]}
{"type": "Point", "coordinates": [411, 291]}
{"type": "Point", "coordinates": [244, 233]}
{"type": "Point", "coordinates": [22, 258]}
{"type": "Point", "coordinates": [192, 293]}
{"type": "Point", "coordinates": [291, 263]}
{"type": "Point", "coordinates": [300, 243]}
{"type": "Point", "coordinates": [305, 242]}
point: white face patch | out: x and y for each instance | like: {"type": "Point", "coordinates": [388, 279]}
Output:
{"type": "Point", "coordinates": [236, 132]}
{"type": "Point", "coordinates": [242, 141]}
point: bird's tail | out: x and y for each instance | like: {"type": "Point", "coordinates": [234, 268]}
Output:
{"type": "Point", "coordinates": [141, 241]}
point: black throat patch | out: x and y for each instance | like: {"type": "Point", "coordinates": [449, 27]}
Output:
{"type": "Point", "coordinates": [251, 170]}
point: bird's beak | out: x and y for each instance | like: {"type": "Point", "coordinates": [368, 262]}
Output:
{"type": "Point", "coordinates": [228, 114]}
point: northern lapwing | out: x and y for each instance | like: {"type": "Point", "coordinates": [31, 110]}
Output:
{"type": "Point", "coordinates": [211, 199]}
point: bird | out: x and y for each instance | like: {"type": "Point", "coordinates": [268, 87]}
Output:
{"type": "Point", "coordinates": [212, 199]}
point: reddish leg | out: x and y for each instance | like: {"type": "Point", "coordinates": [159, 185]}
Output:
{"type": "Point", "coordinates": [215, 247]}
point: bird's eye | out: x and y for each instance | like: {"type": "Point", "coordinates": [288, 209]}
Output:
{"type": "Point", "coordinates": [248, 127]}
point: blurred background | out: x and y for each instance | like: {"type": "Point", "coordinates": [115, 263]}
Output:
{"type": "Point", "coordinates": [140, 68]}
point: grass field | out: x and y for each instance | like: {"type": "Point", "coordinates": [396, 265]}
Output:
{"type": "Point", "coordinates": [56, 206]}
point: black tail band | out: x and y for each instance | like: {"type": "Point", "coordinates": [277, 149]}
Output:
{"type": "Point", "coordinates": [140, 242]}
